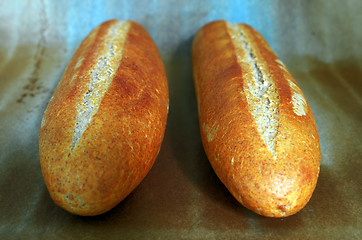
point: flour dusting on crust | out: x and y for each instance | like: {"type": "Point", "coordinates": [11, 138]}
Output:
{"type": "Point", "coordinates": [100, 77]}
{"type": "Point", "coordinates": [259, 87]}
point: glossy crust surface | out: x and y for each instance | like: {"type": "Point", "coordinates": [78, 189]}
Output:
{"type": "Point", "coordinates": [273, 183]}
{"type": "Point", "coordinates": [105, 123]}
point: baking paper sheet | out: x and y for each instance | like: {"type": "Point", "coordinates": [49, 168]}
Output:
{"type": "Point", "coordinates": [181, 197]}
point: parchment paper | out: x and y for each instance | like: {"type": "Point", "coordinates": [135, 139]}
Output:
{"type": "Point", "coordinates": [181, 197]}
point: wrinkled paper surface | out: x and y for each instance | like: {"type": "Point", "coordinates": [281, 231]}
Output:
{"type": "Point", "coordinates": [181, 197]}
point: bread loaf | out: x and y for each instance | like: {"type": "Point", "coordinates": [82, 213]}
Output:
{"type": "Point", "coordinates": [257, 128]}
{"type": "Point", "coordinates": [105, 123]}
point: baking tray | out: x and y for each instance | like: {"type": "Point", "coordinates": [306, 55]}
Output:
{"type": "Point", "coordinates": [181, 197]}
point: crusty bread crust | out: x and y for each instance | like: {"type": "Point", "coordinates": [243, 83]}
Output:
{"type": "Point", "coordinates": [261, 141]}
{"type": "Point", "coordinates": [105, 123]}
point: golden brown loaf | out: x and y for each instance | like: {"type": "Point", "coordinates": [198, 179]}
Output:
{"type": "Point", "coordinates": [104, 125]}
{"type": "Point", "coordinates": [257, 128]}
